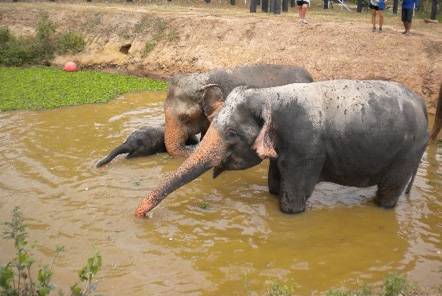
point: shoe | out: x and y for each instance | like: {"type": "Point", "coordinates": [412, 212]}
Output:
{"type": "Point", "coordinates": [304, 21]}
{"type": "Point", "coordinates": [300, 21]}
{"type": "Point", "coordinates": [374, 29]}
{"type": "Point", "coordinates": [407, 34]}
{"type": "Point", "coordinates": [380, 30]}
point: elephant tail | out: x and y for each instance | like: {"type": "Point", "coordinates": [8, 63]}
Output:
{"type": "Point", "coordinates": [438, 118]}
{"type": "Point", "coordinates": [410, 184]}
{"type": "Point", "coordinates": [117, 151]}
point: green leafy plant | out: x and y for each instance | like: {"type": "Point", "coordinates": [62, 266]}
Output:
{"type": "Point", "coordinates": [365, 291]}
{"type": "Point", "coordinates": [38, 49]}
{"type": "Point", "coordinates": [16, 276]}
{"type": "Point", "coordinates": [395, 284]}
{"type": "Point", "coordinates": [70, 42]}
{"type": "Point", "coordinates": [150, 45]}
{"type": "Point", "coordinates": [86, 276]}
{"type": "Point", "coordinates": [53, 88]}
{"type": "Point", "coordinates": [278, 289]}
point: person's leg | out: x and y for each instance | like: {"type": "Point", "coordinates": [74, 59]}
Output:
{"type": "Point", "coordinates": [381, 19]}
{"type": "Point", "coordinates": [409, 22]}
{"type": "Point", "coordinates": [300, 11]}
{"type": "Point", "coordinates": [408, 28]}
{"type": "Point", "coordinates": [373, 19]}
{"type": "Point", "coordinates": [304, 10]}
{"type": "Point", "coordinates": [404, 20]}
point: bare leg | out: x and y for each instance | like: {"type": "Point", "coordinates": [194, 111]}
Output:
{"type": "Point", "coordinates": [303, 11]}
{"type": "Point", "coordinates": [381, 19]}
{"type": "Point", "coordinates": [373, 18]}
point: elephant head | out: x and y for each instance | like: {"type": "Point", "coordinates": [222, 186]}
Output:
{"type": "Point", "coordinates": [229, 144]}
{"type": "Point", "coordinates": [189, 108]}
{"type": "Point", "coordinates": [191, 103]}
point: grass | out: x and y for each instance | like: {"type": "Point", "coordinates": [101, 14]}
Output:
{"type": "Point", "coordinates": [46, 88]}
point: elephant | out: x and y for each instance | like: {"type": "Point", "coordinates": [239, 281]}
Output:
{"type": "Point", "coordinates": [143, 142]}
{"type": "Point", "coordinates": [349, 132]}
{"type": "Point", "coordinates": [191, 103]}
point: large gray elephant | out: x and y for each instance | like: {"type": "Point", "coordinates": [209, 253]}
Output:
{"type": "Point", "coordinates": [353, 133]}
{"type": "Point", "coordinates": [191, 103]}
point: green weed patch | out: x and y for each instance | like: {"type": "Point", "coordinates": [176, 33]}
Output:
{"type": "Point", "coordinates": [46, 88]}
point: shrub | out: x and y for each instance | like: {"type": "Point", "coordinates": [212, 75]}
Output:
{"type": "Point", "coordinates": [39, 49]}
{"type": "Point", "coordinates": [150, 45]}
{"type": "Point", "coordinates": [395, 284]}
{"type": "Point", "coordinates": [70, 42]}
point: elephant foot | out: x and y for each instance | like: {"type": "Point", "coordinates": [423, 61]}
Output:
{"type": "Point", "coordinates": [386, 202]}
{"type": "Point", "coordinates": [273, 189]}
{"type": "Point", "coordinates": [291, 205]}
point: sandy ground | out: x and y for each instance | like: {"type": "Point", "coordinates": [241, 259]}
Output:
{"type": "Point", "coordinates": [193, 36]}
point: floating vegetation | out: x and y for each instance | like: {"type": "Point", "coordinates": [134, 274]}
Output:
{"type": "Point", "coordinates": [46, 88]}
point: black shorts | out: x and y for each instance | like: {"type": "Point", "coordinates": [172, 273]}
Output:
{"type": "Point", "coordinates": [302, 2]}
{"type": "Point", "coordinates": [374, 7]}
{"type": "Point", "coordinates": [407, 15]}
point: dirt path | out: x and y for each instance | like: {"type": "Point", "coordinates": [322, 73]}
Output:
{"type": "Point", "coordinates": [182, 38]}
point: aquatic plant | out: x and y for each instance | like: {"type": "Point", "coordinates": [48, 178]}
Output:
{"type": "Point", "coordinates": [395, 284]}
{"type": "Point", "coordinates": [46, 88]}
{"type": "Point", "coordinates": [16, 277]}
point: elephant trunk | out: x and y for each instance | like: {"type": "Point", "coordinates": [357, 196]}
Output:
{"type": "Point", "coordinates": [175, 136]}
{"type": "Point", "coordinates": [207, 155]}
{"type": "Point", "coordinates": [123, 148]}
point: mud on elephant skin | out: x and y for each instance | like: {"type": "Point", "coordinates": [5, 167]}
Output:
{"type": "Point", "coordinates": [143, 142]}
{"type": "Point", "coordinates": [353, 133]}
{"type": "Point", "coordinates": [191, 103]}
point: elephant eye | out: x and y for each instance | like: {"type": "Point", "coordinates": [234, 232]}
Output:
{"type": "Point", "coordinates": [231, 134]}
{"type": "Point", "coordinates": [184, 118]}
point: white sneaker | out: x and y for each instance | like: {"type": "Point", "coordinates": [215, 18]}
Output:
{"type": "Point", "coordinates": [300, 21]}
{"type": "Point", "coordinates": [304, 21]}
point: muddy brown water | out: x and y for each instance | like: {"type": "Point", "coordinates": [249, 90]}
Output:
{"type": "Point", "coordinates": [211, 237]}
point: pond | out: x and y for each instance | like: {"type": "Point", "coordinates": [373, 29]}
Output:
{"type": "Point", "coordinates": [211, 237]}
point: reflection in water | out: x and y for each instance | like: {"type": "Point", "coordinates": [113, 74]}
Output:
{"type": "Point", "coordinates": [47, 162]}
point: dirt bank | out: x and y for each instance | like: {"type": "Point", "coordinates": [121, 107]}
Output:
{"type": "Point", "coordinates": [159, 39]}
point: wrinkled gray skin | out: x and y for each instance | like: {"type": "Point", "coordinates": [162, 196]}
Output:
{"type": "Point", "coordinates": [143, 142]}
{"type": "Point", "coordinates": [190, 104]}
{"type": "Point", "coordinates": [353, 133]}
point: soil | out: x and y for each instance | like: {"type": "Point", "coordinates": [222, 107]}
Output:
{"type": "Point", "coordinates": [160, 38]}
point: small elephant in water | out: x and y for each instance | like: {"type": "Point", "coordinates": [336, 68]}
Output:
{"type": "Point", "coordinates": [143, 142]}
{"type": "Point", "coordinates": [191, 103]}
{"type": "Point", "coordinates": [349, 132]}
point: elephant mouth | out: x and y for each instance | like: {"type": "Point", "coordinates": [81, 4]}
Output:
{"type": "Point", "coordinates": [217, 171]}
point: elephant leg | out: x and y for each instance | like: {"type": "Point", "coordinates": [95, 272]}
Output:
{"type": "Point", "coordinates": [298, 180]}
{"type": "Point", "coordinates": [274, 177]}
{"type": "Point", "coordinates": [392, 186]}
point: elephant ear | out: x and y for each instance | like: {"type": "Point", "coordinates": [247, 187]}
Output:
{"type": "Point", "coordinates": [212, 100]}
{"type": "Point", "coordinates": [265, 142]}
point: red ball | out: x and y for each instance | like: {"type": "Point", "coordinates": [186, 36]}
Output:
{"type": "Point", "coordinates": [70, 67]}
